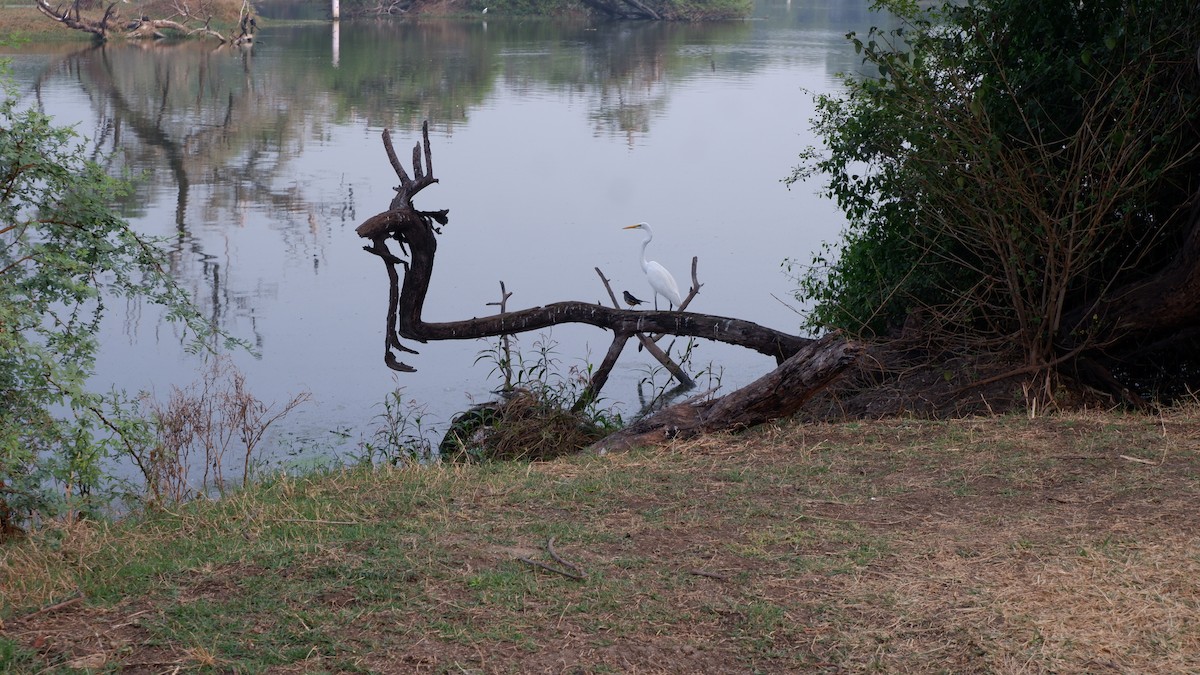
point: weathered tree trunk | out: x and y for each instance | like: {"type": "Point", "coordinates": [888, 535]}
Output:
{"type": "Point", "coordinates": [780, 393]}
{"type": "Point", "coordinates": [806, 364]}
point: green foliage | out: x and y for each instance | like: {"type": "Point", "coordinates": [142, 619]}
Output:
{"type": "Point", "coordinates": [1003, 161]}
{"type": "Point", "coordinates": [524, 7]}
{"type": "Point", "coordinates": [670, 10]}
{"type": "Point", "coordinates": [399, 436]}
{"type": "Point", "coordinates": [63, 251]}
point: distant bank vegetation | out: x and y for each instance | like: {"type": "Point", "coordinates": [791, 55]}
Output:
{"type": "Point", "coordinates": [225, 15]}
{"type": "Point", "coordinates": [222, 18]}
{"type": "Point", "coordinates": [664, 10]}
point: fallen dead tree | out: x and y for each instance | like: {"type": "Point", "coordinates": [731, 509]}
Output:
{"type": "Point", "coordinates": [183, 21]}
{"type": "Point", "coordinates": [805, 365]}
{"type": "Point", "coordinates": [780, 393]}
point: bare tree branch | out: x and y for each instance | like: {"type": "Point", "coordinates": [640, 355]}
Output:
{"type": "Point", "coordinates": [806, 365]}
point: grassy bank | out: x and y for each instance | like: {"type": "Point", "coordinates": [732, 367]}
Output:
{"type": "Point", "coordinates": [1001, 545]}
{"type": "Point", "coordinates": [25, 23]}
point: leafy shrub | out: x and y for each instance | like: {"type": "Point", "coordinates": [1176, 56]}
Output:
{"type": "Point", "coordinates": [63, 251]}
{"type": "Point", "coordinates": [1003, 162]}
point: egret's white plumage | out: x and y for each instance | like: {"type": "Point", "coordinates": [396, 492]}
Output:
{"type": "Point", "coordinates": [660, 279]}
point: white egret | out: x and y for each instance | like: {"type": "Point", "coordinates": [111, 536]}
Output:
{"type": "Point", "coordinates": [660, 279]}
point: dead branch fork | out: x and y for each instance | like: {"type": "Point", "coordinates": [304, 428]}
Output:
{"type": "Point", "coordinates": [391, 225]}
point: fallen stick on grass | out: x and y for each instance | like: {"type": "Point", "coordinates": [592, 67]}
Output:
{"type": "Point", "coordinates": [1139, 460]}
{"type": "Point", "coordinates": [78, 597]}
{"type": "Point", "coordinates": [554, 554]}
{"type": "Point", "coordinates": [574, 572]}
{"type": "Point", "coordinates": [710, 575]}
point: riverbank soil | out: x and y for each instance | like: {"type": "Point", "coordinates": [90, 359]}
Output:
{"type": "Point", "coordinates": [1066, 543]}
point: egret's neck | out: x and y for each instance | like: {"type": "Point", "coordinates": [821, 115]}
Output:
{"type": "Point", "coordinates": [645, 243]}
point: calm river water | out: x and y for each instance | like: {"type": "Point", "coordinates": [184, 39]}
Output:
{"type": "Point", "coordinates": [547, 137]}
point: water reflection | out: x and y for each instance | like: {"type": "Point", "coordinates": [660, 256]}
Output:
{"type": "Point", "coordinates": [206, 139]}
{"type": "Point", "coordinates": [549, 136]}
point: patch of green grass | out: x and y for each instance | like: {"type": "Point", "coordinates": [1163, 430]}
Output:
{"type": "Point", "coordinates": [16, 658]}
{"type": "Point", "coordinates": [758, 621]}
{"type": "Point", "coordinates": [631, 562]}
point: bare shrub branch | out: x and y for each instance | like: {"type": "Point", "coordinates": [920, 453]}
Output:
{"type": "Point", "coordinates": [198, 426]}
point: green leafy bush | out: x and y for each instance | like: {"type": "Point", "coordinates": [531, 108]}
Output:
{"type": "Point", "coordinates": [1002, 162]}
{"type": "Point", "coordinates": [63, 251]}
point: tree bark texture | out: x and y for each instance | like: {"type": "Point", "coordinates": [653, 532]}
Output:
{"type": "Point", "coordinates": [778, 394]}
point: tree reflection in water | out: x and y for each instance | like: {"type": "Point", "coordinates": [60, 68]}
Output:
{"type": "Point", "coordinates": [253, 163]}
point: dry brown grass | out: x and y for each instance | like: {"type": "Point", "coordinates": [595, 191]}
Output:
{"type": "Point", "coordinates": [526, 426]}
{"type": "Point", "coordinates": [1003, 545]}
{"type": "Point", "coordinates": [27, 23]}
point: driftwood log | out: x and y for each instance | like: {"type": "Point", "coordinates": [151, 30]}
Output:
{"type": "Point", "coordinates": [779, 393]}
{"type": "Point", "coordinates": [805, 365]}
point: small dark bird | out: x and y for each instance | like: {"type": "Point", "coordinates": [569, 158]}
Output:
{"type": "Point", "coordinates": [633, 302]}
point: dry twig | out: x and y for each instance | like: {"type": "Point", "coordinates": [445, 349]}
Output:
{"type": "Point", "coordinates": [554, 554]}
{"type": "Point", "coordinates": [575, 572]}
{"type": "Point", "coordinates": [710, 575]}
{"type": "Point", "coordinates": [74, 599]}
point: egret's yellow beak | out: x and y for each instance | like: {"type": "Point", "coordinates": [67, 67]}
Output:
{"type": "Point", "coordinates": [630, 227]}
